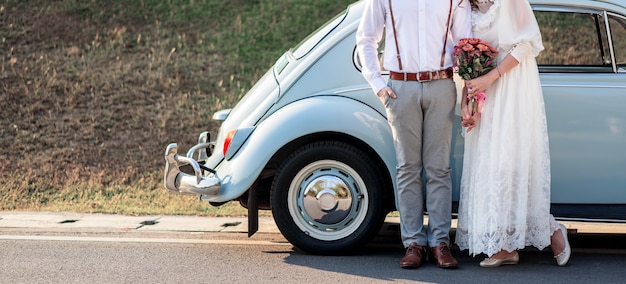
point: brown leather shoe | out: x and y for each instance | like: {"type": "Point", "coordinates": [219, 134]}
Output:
{"type": "Point", "coordinates": [413, 256]}
{"type": "Point", "coordinates": [442, 256]}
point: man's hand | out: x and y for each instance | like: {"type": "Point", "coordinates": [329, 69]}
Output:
{"type": "Point", "coordinates": [469, 123]}
{"type": "Point", "coordinates": [467, 118]}
{"type": "Point", "coordinates": [386, 91]}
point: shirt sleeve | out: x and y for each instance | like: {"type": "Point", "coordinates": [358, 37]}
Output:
{"type": "Point", "coordinates": [462, 21]}
{"type": "Point", "coordinates": [368, 36]}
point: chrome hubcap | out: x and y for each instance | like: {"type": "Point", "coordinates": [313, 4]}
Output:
{"type": "Point", "coordinates": [327, 201]}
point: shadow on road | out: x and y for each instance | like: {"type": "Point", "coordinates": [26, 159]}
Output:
{"type": "Point", "coordinates": [597, 258]}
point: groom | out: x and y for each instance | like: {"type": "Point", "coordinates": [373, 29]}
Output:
{"type": "Point", "coordinates": [419, 98]}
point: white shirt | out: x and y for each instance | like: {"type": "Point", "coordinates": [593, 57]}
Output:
{"type": "Point", "coordinates": [420, 26]}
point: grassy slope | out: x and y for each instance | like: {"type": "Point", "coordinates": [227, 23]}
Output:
{"type": "Point", "coordinates": [91, 92]}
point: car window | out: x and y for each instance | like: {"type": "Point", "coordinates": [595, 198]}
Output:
{"type": "Point", "coordinates": [618, 36]}
{"type": "Point", "coordinates": [574, 40]}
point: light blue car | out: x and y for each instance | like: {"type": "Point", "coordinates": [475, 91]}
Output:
{"type": "Point", "coordinates": [310, 140]}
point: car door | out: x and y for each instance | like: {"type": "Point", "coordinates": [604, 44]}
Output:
{"type": "Point", "coordinates": [583, 75]}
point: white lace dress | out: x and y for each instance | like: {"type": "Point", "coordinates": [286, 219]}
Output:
{"type": "Point", "coordinates": [505, 186]}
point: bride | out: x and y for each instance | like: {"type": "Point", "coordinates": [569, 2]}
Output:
{"type": "Point", "coordinates": [505, 186]}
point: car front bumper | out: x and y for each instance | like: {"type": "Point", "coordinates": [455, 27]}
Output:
{"type": "Point", "coordinates": [179, 182]}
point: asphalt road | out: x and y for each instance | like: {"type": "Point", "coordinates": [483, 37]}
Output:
{"type": "Point", "coordinates": [92, 248]}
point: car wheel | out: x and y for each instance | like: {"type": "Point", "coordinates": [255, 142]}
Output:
{"type": "Point", "coordinates": [328, 198]}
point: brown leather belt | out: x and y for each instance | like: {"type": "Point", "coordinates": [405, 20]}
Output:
{"type": "Point", "coordinates": [421, 76]}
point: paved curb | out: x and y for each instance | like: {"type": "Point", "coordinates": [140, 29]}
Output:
{"type": "Point", "coordinates": [77, 221]}
{"type": "Point", "coordinates": [113, 222]}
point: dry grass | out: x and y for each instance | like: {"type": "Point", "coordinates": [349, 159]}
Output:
{"type": "Point", "coordinates": [91, 92]}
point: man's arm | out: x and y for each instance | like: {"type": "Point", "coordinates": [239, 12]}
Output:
{"type": "Point", "coordinates": [462, 21]}
{"type": "Point", "coordinates": [368, 35]}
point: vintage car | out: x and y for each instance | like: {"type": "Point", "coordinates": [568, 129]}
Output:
{"type": "Point", "coordinates": [311, 143]}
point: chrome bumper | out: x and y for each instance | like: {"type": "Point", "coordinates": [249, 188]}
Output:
{"type": "Point", "coordinates": [181, 183]}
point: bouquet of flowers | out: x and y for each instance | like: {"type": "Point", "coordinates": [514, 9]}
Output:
{"type": "Point", "coordinates": [475, 58]}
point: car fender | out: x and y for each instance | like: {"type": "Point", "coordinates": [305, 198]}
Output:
{"type": "Point", "coordinates": [298, 119]}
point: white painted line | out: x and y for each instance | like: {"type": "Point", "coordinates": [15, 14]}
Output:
{"type": "Point", "coordinates": [141, 240]}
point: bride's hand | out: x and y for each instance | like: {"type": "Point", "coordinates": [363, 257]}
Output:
{"type": "Point", "coordinates": [480, 84]}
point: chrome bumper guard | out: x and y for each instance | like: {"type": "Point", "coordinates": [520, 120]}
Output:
{"type": "Point", "coordinates": [181, 183]}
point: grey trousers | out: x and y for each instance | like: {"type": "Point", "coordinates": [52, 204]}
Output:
{"type": "Point", "coordinates": [421, 119]}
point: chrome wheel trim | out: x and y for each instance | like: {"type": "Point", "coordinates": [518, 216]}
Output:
{"type": "Point", "coordinates": [327, 200]}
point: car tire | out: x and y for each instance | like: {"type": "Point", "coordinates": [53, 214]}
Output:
{"type": "Point", "coordinates": [328, 197]}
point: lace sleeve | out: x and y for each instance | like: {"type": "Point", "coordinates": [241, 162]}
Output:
{"type": "Point", "coordinates": [519, 31]}
{"type": "Point", "coordinates": [522, 49]}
